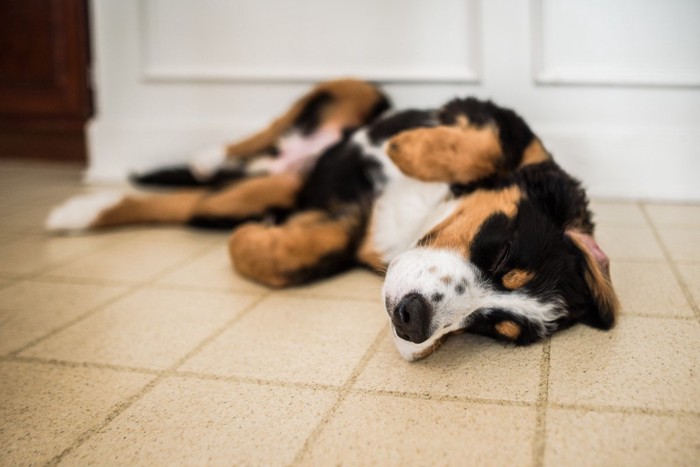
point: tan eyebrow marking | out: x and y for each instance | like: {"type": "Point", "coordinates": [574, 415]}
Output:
{"type": "Point", "coordinates": [516, 278]}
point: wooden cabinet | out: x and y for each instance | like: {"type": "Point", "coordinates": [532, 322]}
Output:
{"type": "Point", "coordinates": [45, 95]}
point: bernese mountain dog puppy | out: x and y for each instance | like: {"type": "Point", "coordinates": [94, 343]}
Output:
{"type": "Point", "coordinates": [462, 209]}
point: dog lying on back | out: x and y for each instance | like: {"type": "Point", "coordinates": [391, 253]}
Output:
{"type": "Point", "coordinates": [462, 208]}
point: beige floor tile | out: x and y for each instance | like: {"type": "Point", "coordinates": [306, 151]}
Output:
{"type": "Point", "coordinates": [629, 242]}
{"type": "Point", "coordinates": [649, 289]}
{"type": "Point", "coordinates": [147, 329]}
{"type": "Point", "coordinates": [194, 422]}
{"type": "Point", "coordinates": [9, 237]}
{"type": "Point", "coordinates": [465, 366]}
{"type": "Point", "coordinates": [642, 362]}
{"type": "Point", "coordinates": [211, 271]}
{"type": "Point", "coordinates": [381, 430]}
{"type": "Point", "coordinates": [136, 260]}
{"type": "Point", "coordinates": [674, 214]}
{"type": "Point", "coordinates": [691, 277]}
{"type": "Point", "coordinates": [29, 310]}
{"type": "Point", "coordinates": [44, 409]}
{"type": "Point", "coordinates": [581, 438]}
{"type": "Point", "coordinates": [683, 244]}
{"type": "Point", "coordinates": [294, 339]}
{"type": "Point", "coordinates": [38, 253]}
{"type": "Point", "coordinates": [617, 212]}
{"type": "Point", "coordinates": [358, 284]}
{"type": "Point", "coordinates": [24, 219]}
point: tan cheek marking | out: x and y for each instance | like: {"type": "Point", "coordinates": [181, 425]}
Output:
{"type": "Point", "coordinates": [516, 278]}
{"type": "Point", "coordinates": [446, 153]}
{"type": "Point", "coordinates": [508, 329]}
{"type": "Point", "coordinates": [457, 231]}
{"type": "Point", "coordinates": [534, 153]}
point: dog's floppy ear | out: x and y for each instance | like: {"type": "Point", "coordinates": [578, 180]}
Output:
{"type": "Point", "coordinates": [597, 276]}
{"type": "Point", "coordinates": [451, 154]}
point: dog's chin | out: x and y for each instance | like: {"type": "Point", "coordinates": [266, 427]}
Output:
{"type": "Point", "coordinates": [411, 351]}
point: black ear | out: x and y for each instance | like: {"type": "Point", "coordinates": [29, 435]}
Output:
{"type": "Point", "coordinates": [596, 272]}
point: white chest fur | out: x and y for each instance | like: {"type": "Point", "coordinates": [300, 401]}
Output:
{"type": "Point", "coordinates": [406, 209]}
{"type": "Point", "coordinates": [405, 212]}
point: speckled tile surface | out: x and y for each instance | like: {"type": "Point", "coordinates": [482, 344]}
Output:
{"type": "Point", "coordinates": [141, 346]}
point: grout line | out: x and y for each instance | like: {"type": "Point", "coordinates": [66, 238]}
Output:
{"type": "Point", "coordinates": [440, 397]}
{"type": "Point", "coordinates": [317, 296]}
{"type": "Point", "coordinates": [286, 294]}
{"type": "Point", "coordinates": [258, 381]}
{"type": "Point", "coordinates": [129, 290]}
{"type": "Point", "coordinates": [67, 324]}
{"type": "Point", "coordinates": [66, 261]}
{"type": "Point", "coordinates": [624, 410]}
{"type": "Point", "coordinates": [170, 371]}
{"type": "Point", "coordinates": [69, 364]}
{"type": "Point", "coordinates": [343, 393]}
{"type": "Point", "coordinates": [539, 442]}
{"type": "Point", "coordinates": [80, 281]}
{"type": "Point", "coordinates": [114, 413]}
{"type": "Point", "coordinates": [674, 268]}
{"type": "Point", "coordinates": [655, 316]}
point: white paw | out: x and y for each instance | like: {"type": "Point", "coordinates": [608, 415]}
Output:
{"type": "Point", "coordinates": [205, 163]}
{"type": "Point", "coordinates": [80, 212]}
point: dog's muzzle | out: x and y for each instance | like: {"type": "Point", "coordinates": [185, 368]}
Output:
{"type": "Point", "coordinates": [425, 290]}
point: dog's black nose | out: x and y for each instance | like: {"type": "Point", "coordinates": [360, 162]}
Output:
{"type": "Point", "coordinates": [411, 318]}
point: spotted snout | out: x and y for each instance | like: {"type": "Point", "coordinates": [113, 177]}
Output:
{"type": "Point", "coordinates": [427, 293]}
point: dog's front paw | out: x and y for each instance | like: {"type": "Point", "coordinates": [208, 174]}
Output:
{"type": "Point", "coordinates": [207, 162]}
{"type": "Point", "coordinates": [81, 212]}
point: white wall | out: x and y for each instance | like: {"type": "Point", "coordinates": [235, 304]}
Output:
{"type": "Point", "coordinates": [612, 86]}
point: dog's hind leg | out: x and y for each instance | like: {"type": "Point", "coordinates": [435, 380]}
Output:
{"type": "Point", "coordinates": [309, 246]}
{"type": "Point", "coordinates": [250, 199]}
{"type": "Point", "coordinates": [325, 111]}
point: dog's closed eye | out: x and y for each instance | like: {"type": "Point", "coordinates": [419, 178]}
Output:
{"type": "Point", "coordinates": [501, 258]}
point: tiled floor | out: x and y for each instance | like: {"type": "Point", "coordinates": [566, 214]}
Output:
{"type": "Point", "coordinates": [141, 346]}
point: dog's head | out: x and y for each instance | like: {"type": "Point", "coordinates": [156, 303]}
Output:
{"type": "Point", "coordinates": [518, 245]}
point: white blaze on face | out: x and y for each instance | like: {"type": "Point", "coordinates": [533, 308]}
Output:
{"type": "Point", "coordinates": [455, 290]}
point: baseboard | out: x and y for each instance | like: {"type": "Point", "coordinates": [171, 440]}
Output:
{"type": "Point", "coordinates": [623, 163]}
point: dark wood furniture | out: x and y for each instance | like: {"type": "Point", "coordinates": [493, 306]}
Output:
{"type": "Point", "coordinates": [45, 89]}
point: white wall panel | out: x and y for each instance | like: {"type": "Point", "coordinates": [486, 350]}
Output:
{"type": "Point", "coordinates": [619, 42]}
{"type": "Point", "coordinates": [272, 40]}
{"type": "Point", "coordinates": [173, 76]}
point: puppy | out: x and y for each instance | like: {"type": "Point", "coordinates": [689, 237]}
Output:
{"type": "Point", "coordinates": [463, 210]}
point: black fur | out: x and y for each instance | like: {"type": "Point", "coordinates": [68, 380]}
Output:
{"type": "Point", "coordinates": [309, 118]}
{"type": "Point", "coordinates": [181, 176]}
{"type": "Point", "coordinates": [401, 121]}
{"type": "Point", "coordinates": [514, 134]}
